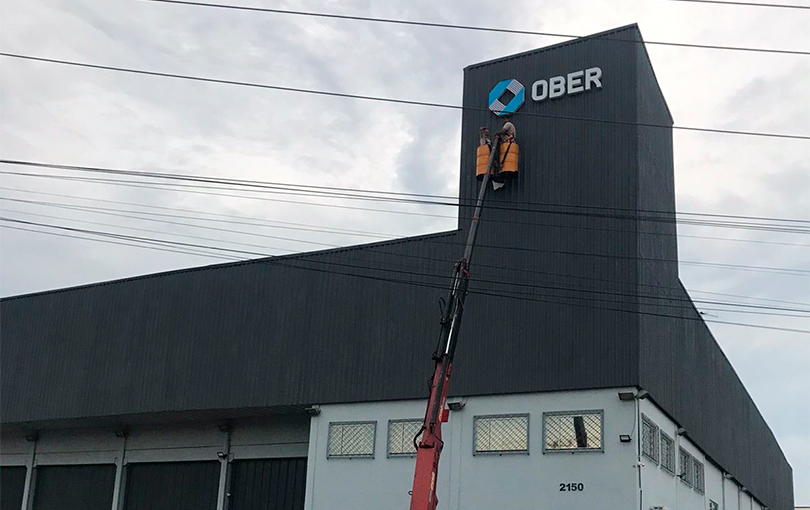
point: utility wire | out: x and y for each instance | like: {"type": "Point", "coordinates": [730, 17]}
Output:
{"type": "Point", "coordinates": [334, 230]}
{"type": "Point", "coordinates": [349, 232]}
{"type": "Point", "coordinates": [499, 281]}
{"type": "Point", "coordinates": [741, 267]}
{"type": "Point", "coordinates": [745, 4]}
{"type": "Point", "coordinates": [421, 284]}
{"type": "Point", "coordinates": [288, 185]}
{"type": "Point", "coordinates": [471, 27]}
{"type": "Point", "coordinates": [395, 100]}
{"type": "Point", "coordinates": [301, 190]}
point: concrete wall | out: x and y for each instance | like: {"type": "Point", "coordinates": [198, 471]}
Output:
{"type": "Point", "coordinates": [491, 481]}
{"type": "Point", "coordinates": [661, 488]}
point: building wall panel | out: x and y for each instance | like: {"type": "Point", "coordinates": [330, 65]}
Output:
{"type": "Point", "coordinates": [175, 485]}
{"type": "Point", "coordinates": [12, 486]}
{"type": "Point", "coordinates": [268, 484]}
{"type": "Point", "coordinates": [74, 487]}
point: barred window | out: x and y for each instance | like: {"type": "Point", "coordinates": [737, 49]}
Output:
{"type": "Point", "coordinates": [699, 476]}
{"type": "Point", "coordinates": [507, 433]}
{"type": "Point", "coordinates": [686, 467]}
{"type": "Point", "coordinates": [649, 438]}
{"type": "Point", "coordinates": [400, 437]}
{"type": "Point", "coordinates": [351, 439]}
{"type": "Point", "coordinates": [713, 505]}
{"type": "Point", "coordinates": [568, 431]}
{"type": "Point", "coordinates": [667, 453]}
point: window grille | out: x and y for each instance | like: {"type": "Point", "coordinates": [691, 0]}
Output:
{"type": "Point", "coordinates": [699, 476]}
{"type": "Point", "coordinates": [572, 431]}
{"type": "Point", "coordinates": [667, 453]}
{"type": "Point", "coordinates": [686, 467]}
{"type": "Point", "coordinates": [400, 437]}
{"type": "Point", "coordinates": [351, 439]}
{"type": "Point", "coordinates": [649, 438]}
{"type": "Point", "coordinates": [507, 433]}
{"type": "Point", "coordinates": [713, 505]}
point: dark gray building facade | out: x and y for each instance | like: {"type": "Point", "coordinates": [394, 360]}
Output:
{"type": "Point", "coordinates": [575, 287]}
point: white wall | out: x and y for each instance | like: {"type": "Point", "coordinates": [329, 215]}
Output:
{"type": "Point", "coordinates": [471, 482]}
{"type": "Point", "coordinates": [660, 488]}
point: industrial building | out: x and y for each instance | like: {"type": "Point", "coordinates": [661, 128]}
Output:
{"type": "Point", "coordinates": [585, 378]}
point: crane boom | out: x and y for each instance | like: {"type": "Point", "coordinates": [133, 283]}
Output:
{"type": "Point", "coordinates": [429, 449]}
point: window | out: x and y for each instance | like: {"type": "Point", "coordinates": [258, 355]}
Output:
{"type": "Point", "coordinates": [713, 505]}
{"type": "Point", "coordinates": [649, 438]}
{"type": "Point", "coordinates": [507, 433]}
{"type": "Point", "coordinates": [699, 476]}
{"type": "Point", "coordinates": [667, 453]}
{"type": "Point", "coordinates": [400, 437]}
{"type": "Point", "coordinates": [351, 439]}
{"type": "Point", "coordinates": [572, 431]}
{"type": "Point", "coordinates": [686, 467]}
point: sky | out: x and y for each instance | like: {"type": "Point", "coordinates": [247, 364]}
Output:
{"type": "Point", "coordinates": [63, 115]}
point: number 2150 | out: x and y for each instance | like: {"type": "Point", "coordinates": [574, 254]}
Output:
{"type": "Point", "coordinates": [572, 487]}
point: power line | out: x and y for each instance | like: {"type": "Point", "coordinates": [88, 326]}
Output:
{"type": "Point", "coordinates": [499, 281]}
{"type": "Point", "coordinates": [394, 100]}
{"type": "Point", "coordinates": [745, 4]}
{"type": "Point", "coordinates": [471, 27]}
{"type": "Point", "coordinates": [288, 185]}
{"type": "Point", "coordinates": [285, 189]}
{"type": "Point", "coordinates": [740, 267]}
{"type": "Point", "coordinates": [335, 230]}
{"type": "Point", "coordinates": [342, 231]}
{"type": "Point", "coordinates": [747, 308]}
{"type": "Point", "coordinates": [420, 284]}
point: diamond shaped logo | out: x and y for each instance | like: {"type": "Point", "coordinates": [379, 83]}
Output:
{"type": "Point", "coordinates": [497, 92]}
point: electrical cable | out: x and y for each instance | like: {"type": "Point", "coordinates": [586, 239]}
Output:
{"type": "Point", "coordinates": [470, 27]}
{"type": "Point", "coordinates": [361, 233]}
{"type": "Point", "coordinates": [293, 186]}
{"type": "Point", "coordinates": [745, 4]}
{"type": "Point", "coordinates": [668, 217]}
{"type": "Point", "coordinates": [395, 100]}
{"type": "Point", "coordinates": [335, 230]}
{"type": "Point", "coordinates": [741, 267]}
{"type": "Point", "coordinates": [428, 285]}
{"type": "Point", "coordinates": [502, 281]}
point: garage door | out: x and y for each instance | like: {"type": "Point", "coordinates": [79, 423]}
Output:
{"type": "Point", "coordinates": [172, 486]}
{"type": "Point", "coordinates": [12, 485]}
{"type": "Point", "coordinates": [74, 487]}
{"type": "Point", "coordinates": [268, 484]}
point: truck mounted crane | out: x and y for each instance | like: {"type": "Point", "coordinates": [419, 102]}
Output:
{"type": "Point", "coordinates": [429, 448]}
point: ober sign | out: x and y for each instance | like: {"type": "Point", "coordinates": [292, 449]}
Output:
{"type": "Point", "coordinates": [574, 83]}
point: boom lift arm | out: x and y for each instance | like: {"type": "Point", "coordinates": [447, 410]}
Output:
{"type": "Point", "coordinates": [423, 495]}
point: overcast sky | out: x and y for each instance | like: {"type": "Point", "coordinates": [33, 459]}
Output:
{"type": "Point", "coordinates": [76, 116]}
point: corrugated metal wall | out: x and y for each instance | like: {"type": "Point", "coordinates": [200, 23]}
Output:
{"type": "Point", "coordinates": [243, 336]}
{"type": "Point", "coordinates": [88, 487]}
{"type": "Point", "coordinates": [268, 484]}
{"type": "Point", "coordinates": [172, 486]}
{"type": "Point", "coordinates": [12, 486]}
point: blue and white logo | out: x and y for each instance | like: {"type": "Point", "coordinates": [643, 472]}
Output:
{"type": "Point", "coordinates": [513, 86]}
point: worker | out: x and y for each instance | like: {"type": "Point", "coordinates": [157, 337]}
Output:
{"type": "Point", "coordinates": [507, 132]}
{"type": "Point", "coordinates": [483, 138]}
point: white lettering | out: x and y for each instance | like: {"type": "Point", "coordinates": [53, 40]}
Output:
{"type": "Point", "coordinates": [540, 90]}
{"type": "Point", "coordinates": [575, 82]}
{"type": "Point", "coordinates": [556, 87]}
{"type": "Point", "coordinates": [593, 76]}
